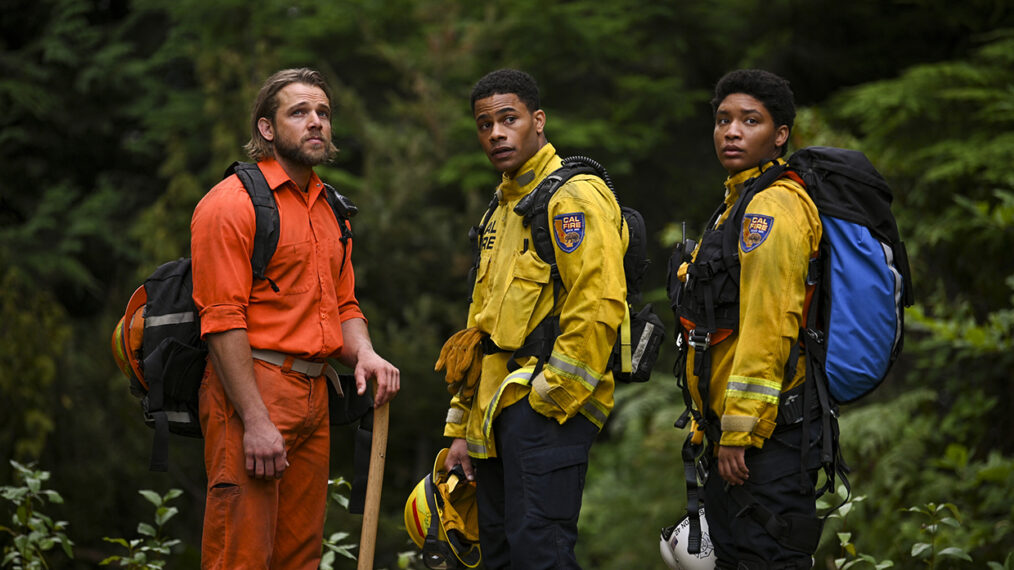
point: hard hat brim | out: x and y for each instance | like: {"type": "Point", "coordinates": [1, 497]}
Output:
{"type": "Point", "coordinates": [136, 302]}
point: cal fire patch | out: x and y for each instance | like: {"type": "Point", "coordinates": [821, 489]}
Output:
{"type": "Point", "coordinates": [569, 230]}
{"type": "Point", "coordinates": [756, 229]}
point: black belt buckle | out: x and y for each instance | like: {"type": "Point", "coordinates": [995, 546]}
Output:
{"type": "Point", "coordinates": [699, 340]}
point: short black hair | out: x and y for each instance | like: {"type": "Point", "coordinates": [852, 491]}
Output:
{"type": "Point", "coordinates": [508, 81]}
{"type": "Point", "coordinates": [771, 90]}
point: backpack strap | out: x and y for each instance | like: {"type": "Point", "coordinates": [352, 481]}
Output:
{"type": "Point", "coordinates": [534, 210]}
{"type": "Point", "coordinates": [534, 207]}
{"type": "Point", "coordinates": [475, 234]}
{"type": "Point", "coordinates": [266, 235]}
{"type": "Point", "coordinates": [263, 199]}
{"type": "Point", "coordinates": [344, 210]}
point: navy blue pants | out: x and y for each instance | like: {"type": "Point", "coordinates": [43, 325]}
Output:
{"type": "Point", "coordinates": [777, 482]}
{"type": "Point", "coordinates": [529, 497]}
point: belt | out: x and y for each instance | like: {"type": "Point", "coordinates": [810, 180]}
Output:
{"type": "Point", "coordinates": [307, 367]}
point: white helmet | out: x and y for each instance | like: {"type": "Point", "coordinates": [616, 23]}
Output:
{"type": "Point", "coordinates": [673, 546]}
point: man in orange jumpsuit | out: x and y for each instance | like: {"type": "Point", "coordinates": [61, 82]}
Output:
{"type": "Point", "coordinates": [263, 399]}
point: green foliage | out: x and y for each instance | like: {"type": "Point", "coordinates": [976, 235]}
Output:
{"type": "Point", "coordinates": [635, 473]}
{"type": "Point", "coordinates": [334, 543]}
{"type": "Point", "coordinates": [935, 518]}
{"type": "Point", "coordinates": [32, 342]}
{"type": "Point", "coordinates": [149, 551]}
{"type": "Point", "coordinates": [938, 132]}
{"type": "Point", "coordinates": [838, 513]}
{"type": "Point", "coordinates": [33, 533]}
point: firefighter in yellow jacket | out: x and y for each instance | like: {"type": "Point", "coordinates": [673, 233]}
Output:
{"type": "Point", "coordinates": [530, 393]}
{"type": "Point", "coordinates": [741, 317]}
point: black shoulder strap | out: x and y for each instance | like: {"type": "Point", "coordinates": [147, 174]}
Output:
{"type": "Point", "coordinates": [534, 207]}
{"type": "Point", "coordinates": [475, 234]}
{"type": "Point", "coordinates": [343, 208]}
{"type": "Point", "coordinates": [263, 199]}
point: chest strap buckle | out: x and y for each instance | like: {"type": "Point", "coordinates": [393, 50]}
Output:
{"type": "Point", "coordinates": [700, 341]}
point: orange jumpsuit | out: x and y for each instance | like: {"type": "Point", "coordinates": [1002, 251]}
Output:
{"type": "Point", "coordinates": [256, 523]}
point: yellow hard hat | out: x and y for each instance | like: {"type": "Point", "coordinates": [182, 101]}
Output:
{"type": "Point", "coordinates": [441, 518]}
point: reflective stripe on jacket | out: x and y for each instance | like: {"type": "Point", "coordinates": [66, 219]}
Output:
{"type": "Point", "coordinates": [514, 292]}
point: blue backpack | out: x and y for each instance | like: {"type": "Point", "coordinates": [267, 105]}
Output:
{"type": "Point", "coordinates": [856, 319]}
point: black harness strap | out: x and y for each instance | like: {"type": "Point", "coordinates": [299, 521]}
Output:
{"type": "Point", "coordinates": [266, 236]}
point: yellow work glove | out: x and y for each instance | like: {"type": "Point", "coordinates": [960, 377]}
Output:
{"type": "Point", "coordinates": [461, 358]}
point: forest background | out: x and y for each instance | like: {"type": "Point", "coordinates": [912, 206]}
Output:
{"type": "Point", "coordinates": [117, 116]}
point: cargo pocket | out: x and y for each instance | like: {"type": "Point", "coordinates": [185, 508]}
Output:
{"type": "Point", "coordinates": [528, 277]}
{"type": "Point", "coordinates": [554, 478]}
{"type": "Point", "coordinates": [221, 512]}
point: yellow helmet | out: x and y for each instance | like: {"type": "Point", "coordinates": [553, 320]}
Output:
{"type": "Point", "coordinates": [441, 518]}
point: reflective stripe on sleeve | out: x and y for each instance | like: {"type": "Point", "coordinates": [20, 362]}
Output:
{"type": "Point", "coordinates": [574, 370]}
{"type": "Point", "coordinates": [594, 412]}
{"type": "Point", "coordinates": [753, 389]}
{"type": "Point", "coordinates": [476, 449]}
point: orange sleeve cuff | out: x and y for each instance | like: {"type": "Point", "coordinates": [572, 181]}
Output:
{"type": "Point", "coordinates": [221, 318]}
{"type": "Point", "coordinates": [353, 312]}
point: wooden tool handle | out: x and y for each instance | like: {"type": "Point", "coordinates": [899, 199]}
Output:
{"type": "Point", "coordinates": [374, 484]}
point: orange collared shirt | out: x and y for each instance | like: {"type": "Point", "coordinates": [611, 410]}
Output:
{"type": "Point", "coordinates": [311, 266]}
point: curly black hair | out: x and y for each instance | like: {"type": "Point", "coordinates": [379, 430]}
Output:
{"type": "Point", "coordinates": [771, 90]}
{"type": "Point", "coordinates": [508, 81]}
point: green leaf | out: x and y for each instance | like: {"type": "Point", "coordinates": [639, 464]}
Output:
{"type": "Point", "coordinates": [951, 522]}
{"type": "Point", "coordinates": [153, 497]}
{"type": "Point", "coordinates": [921, 549]}
{"type": "Point", "coordinates": [163, 515]}
{"type": "Point", "coordinates": [955, 552]}
{"type": "Point", "coordinates": [119, 541]}
{"type": "Point", "coordinates": [146, 529]}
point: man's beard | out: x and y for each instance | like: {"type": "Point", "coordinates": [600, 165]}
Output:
{"type": "Point", "coordinates": [295, 153]}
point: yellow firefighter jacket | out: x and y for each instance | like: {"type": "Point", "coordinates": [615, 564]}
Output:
{"type": "Point", "coordinates": [780, 233]}
{"type": "Point", "coordinates": [513, 292]}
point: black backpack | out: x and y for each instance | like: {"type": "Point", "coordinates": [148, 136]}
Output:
{"type": "Point", "coordinates": [158, 341]}
{"type": "Point", "coordinates": [640, 337]}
